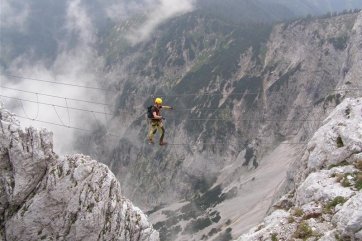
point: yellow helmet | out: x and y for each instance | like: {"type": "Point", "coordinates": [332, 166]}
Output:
{"type": "Point", "coordinates": [158, 101]}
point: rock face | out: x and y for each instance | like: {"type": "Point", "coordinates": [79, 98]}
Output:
{"type": "Point", "coordinates": [247, 98]}
{"type": "Point", "coordinates": [326, 202]}
{"type": "Point", "coordinates": [44, 197]}
{"type": "Point", "coordinates": [261, 90]}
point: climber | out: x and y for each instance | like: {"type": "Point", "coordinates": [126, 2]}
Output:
{"type": "Point", "coordinates": [154, 115]}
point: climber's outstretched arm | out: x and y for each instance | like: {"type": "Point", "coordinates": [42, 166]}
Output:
{"type": "Point", "coordinates": [167, 107]}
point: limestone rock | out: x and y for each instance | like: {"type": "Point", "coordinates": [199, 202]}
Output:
{"type": "Point", "coordinates": [320, 186]}
{"type": "Point", "coordinates": [349, 218]}
{"type": "Point", "coordinates": [44, 197]}
{"type": "Point", "coordinates": [339, 138]}
{"type": "Point", "coordinates": [329, 236]}
{"type": "Point", "coordinates": [327, 202]}
{"type": "Point", "coordinates": [275, 223]}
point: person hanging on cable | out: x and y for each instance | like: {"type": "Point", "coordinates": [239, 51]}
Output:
{"type": "Point", "coordinates": [155, 117]}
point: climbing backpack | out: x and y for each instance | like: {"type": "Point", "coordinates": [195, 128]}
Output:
{"type": "Point", "coordinates": [150, 112]}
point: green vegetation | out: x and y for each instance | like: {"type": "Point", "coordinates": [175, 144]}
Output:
{"type": "Point", "coordinates": [171, 233]}
{"type": "Point", "coordinates": [260, 227]}
{"type": "Point", "coordinates": [60, 170]}
{"type": "Point", "coordinates": [340, 42]}
{"type": "Point", "coordinates": [358, 164]}
{"type": "Point", "coordinates": [213, 231]}
{"type": "Point", "coordinates": [274, 237]}
{"type": "Point", "coordinates": [303, 231]}
{"type": "Point", "coordinates": [249, 84]}
{"type": "Point", "coordinates": [215, 216]}
{"type": "Point", "coordinates": [233, 192]}
{"type": "Point", "coordinates": [249, 155]}
{"type": "Point", "coordinates": [345, 182]}
{"type": "Point", "coordinates": [350, 179]}
{"type": "Point", "coordinates": [197, 225]}
{"type": "Point", "coordinates": [341, 164]}
{"type": "Point", "coordinates": [358, 182]}
{"type": "Point", "coordinates": [291, 219]}
{"type": "Point", "coordinates": [312, 215]}
{"type": "Point", "coordinates": [337, 98]}
{"type": "Point", "coordinates": [332, 204]}
{"type": "Point", "coordinates": [224, 61]}
{"type": "Point", "coordinates": [298, 212]}
{"type": "Point", "coordinates": [339, 142]}
{"type": "Point", "coordinates": [203, 184]}
{"type": "Point", "coordinates": [226, 236]}
{"type": "Point", "coordinates": [347, 112]}
{"type": "Point", "coordinates": [192, 212]}
{"type": "Point", "coordinates": [338, 238]}
{"type": "Point", "coordinates": [90, 207]}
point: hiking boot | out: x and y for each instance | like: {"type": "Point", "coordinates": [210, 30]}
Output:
{"type": "Point", "coordinates": [150, 141]}
{"type": "Point", "coordinates": [162, 143]}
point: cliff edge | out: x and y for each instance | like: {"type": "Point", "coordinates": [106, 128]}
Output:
{"type": "Point", "coordinates": [45, 197]}
{"type": "Point", "coordinates": [326, 203]}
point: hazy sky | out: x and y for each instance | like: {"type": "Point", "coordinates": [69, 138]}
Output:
{"type": "Point", "coordinates": [75, 60]}
{"type": "Point", "coordinates": [56, 40]}
{"type": "Point", "coordinates": [159, 11]}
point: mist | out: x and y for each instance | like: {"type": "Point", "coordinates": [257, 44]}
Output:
{"type": "Point", "coordinates": [66, 53]}
{"type": "Point", "coordinates": [159, 11]}
{"type": "Point", "coordinates": [13, 15]}
{"type": "Point", "coordinates": [57, 41]}
{"type": "Point", "coordinates": [78, 65]}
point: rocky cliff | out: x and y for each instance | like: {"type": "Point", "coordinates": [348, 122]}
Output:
{"type": "Point", "coordinates": [236, 89]}
{"type": "Point", "coordinates": [248, 98]}
{"type": "Point", "coordinates": [45, 197]}
{"type": "Point", "coordinates": [326, 202]}
{"type": "Point", "coordinates": [248, 95]}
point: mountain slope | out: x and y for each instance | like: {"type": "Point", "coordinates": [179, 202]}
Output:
{"type": "Point", "coordinates": [241, 11]}
{"type": "Point", "coordinates": [239, 93]}
{"type": "Point", "coordinates": [44, 197]}
{"type": "Point", "coordinates": [244, 93]}
{"type": "Point", "coordinates": [39, 30]}
{"type": "Point", "coordinates": [247, 85]}
{"type": "Point", "coordinates": [326, 201]}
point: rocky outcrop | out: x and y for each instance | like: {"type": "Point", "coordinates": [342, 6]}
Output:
{"type": "Point", "coordinates": [247, 100]}
{"type": "Point", "coordinates": [327, 200]}
{"type": "Point", "coordinates": [44, 197]}
{"type": "Point", "coordinates": [261, 90]}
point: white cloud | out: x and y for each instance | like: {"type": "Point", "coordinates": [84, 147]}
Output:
{"type": "Point", "coordinates": [120, 10]}
{"type": "Point", "coordinates": [78, 65]}
{"type": "Point", "coordinates": [76, 62]}
{"type": "Point", "coordinates": [78, 21]}
{"type": "Point", "coordinates": [13, 15]}
{"type": "Point", "coordinates": [160, 11]}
